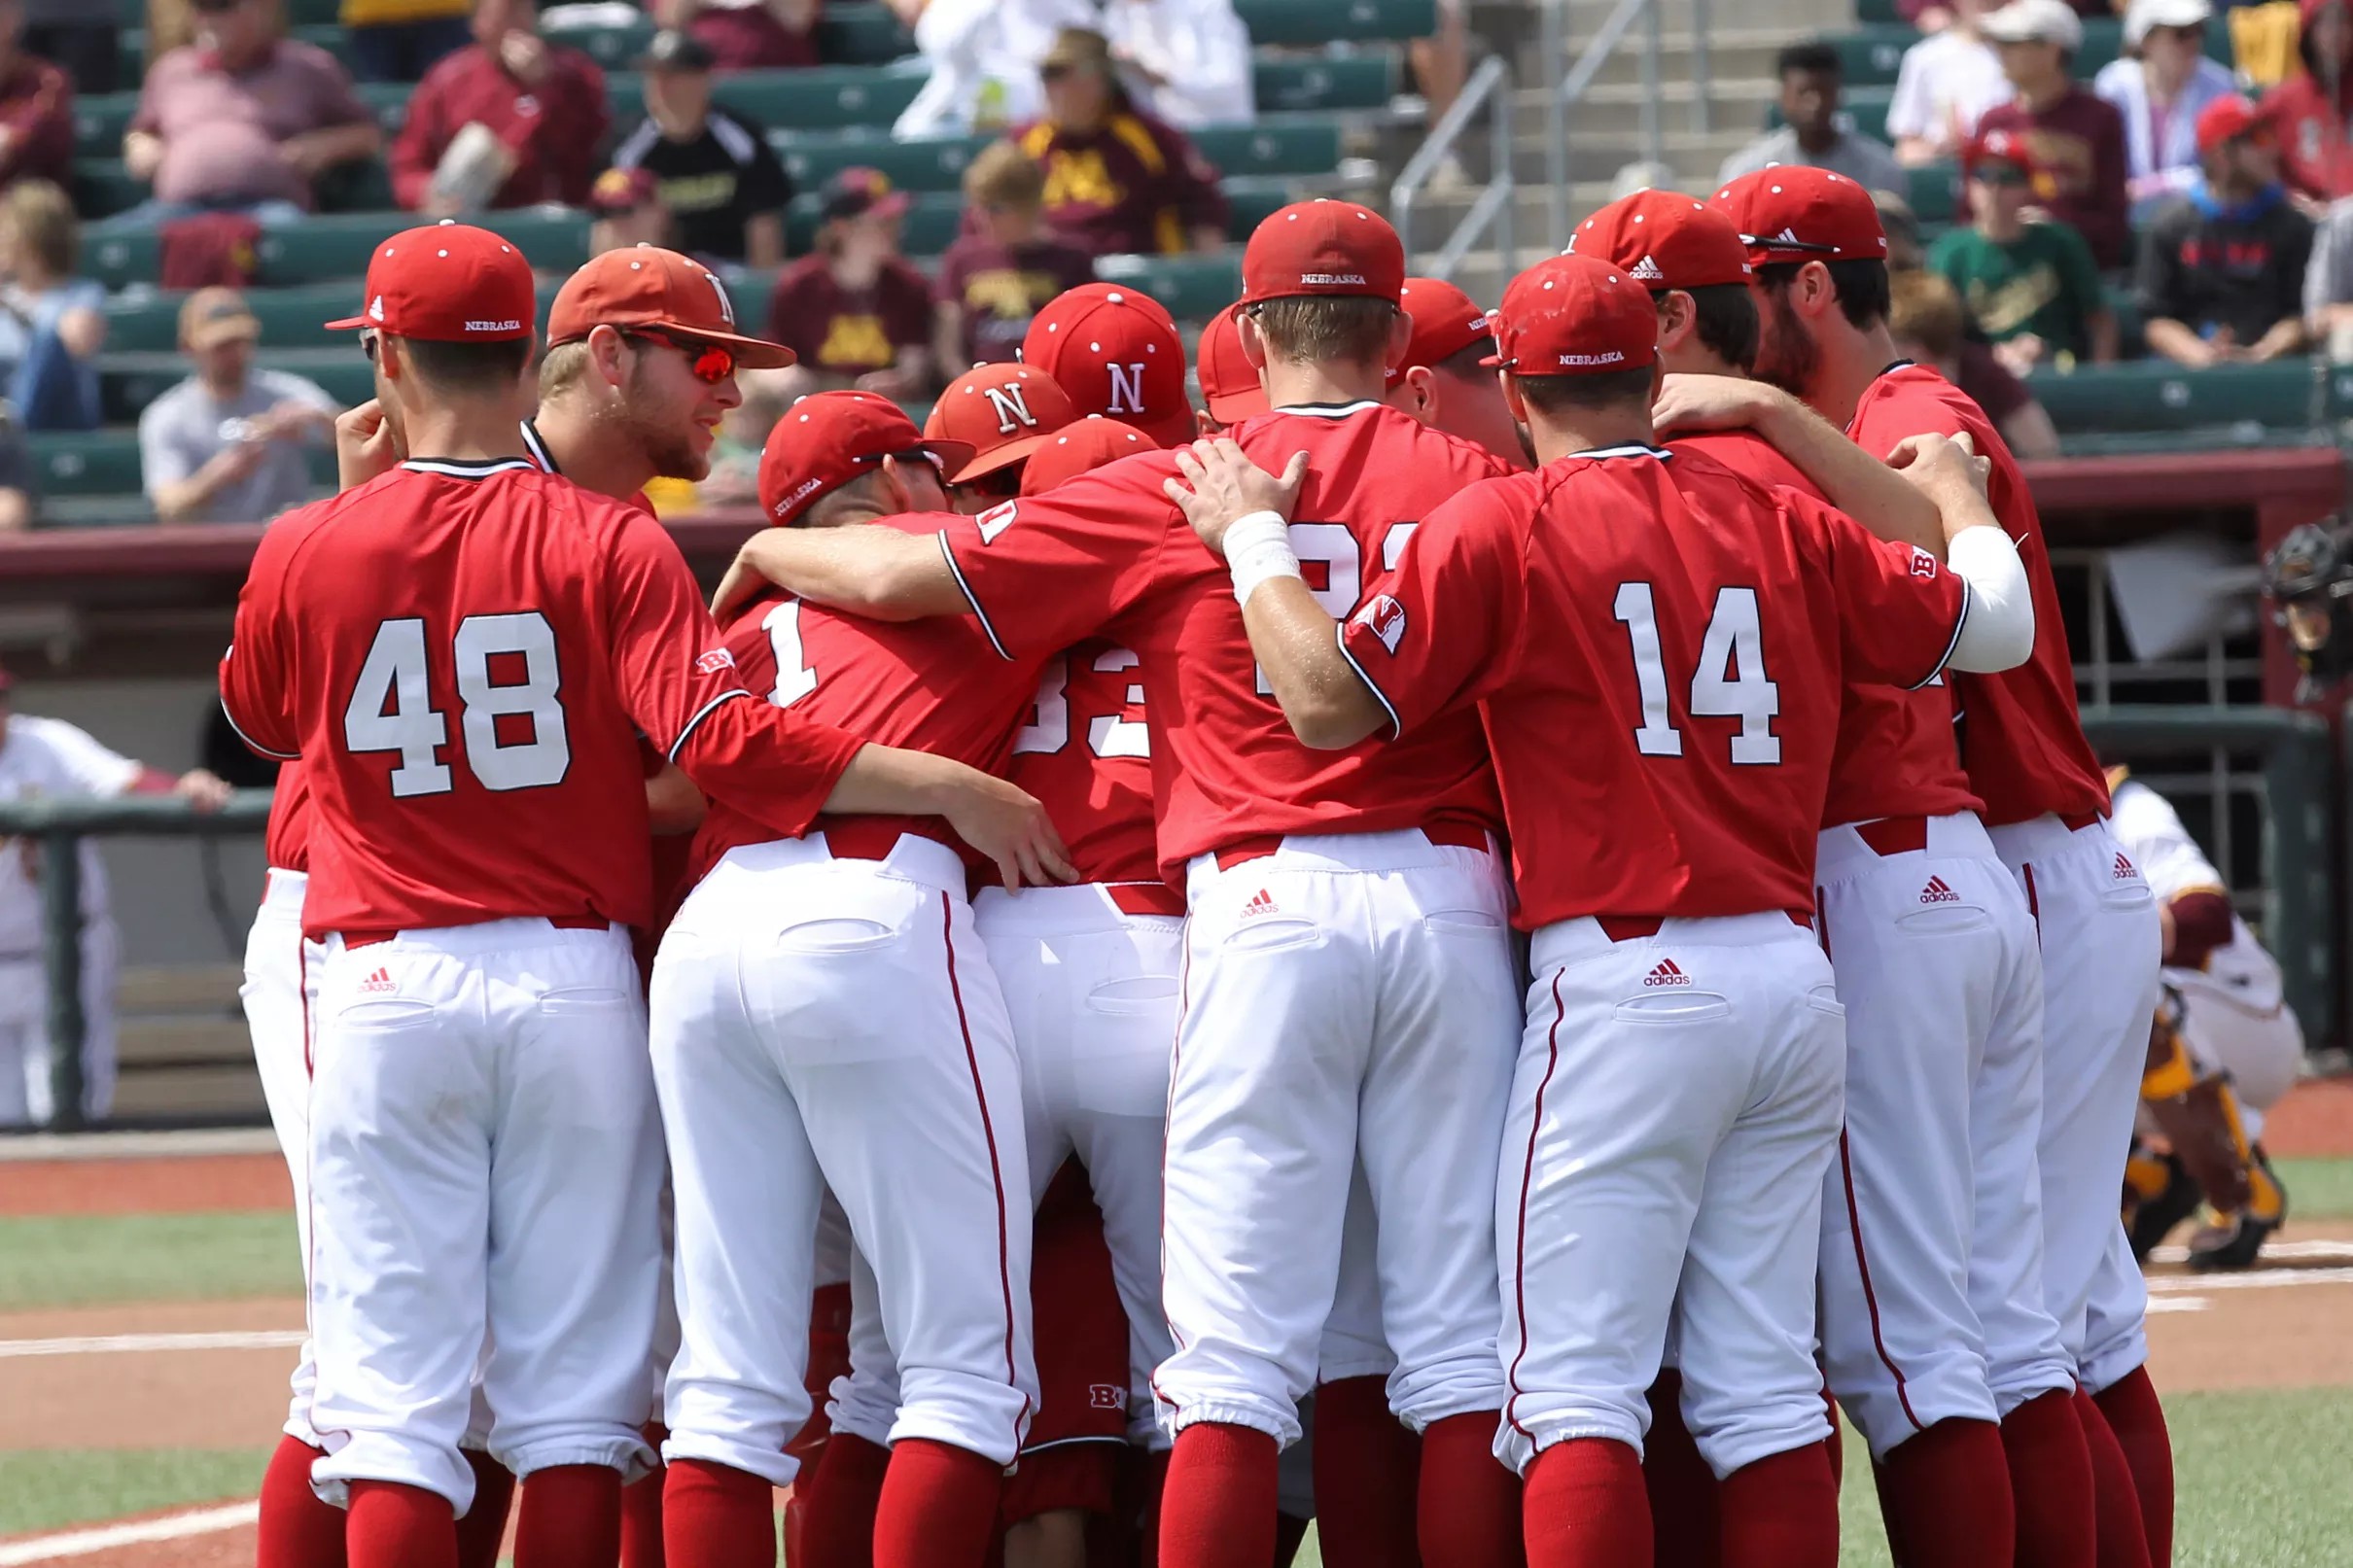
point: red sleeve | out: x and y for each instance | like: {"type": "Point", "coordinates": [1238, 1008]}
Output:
{"type": "Point", "coordinates": [1899, 611]}
{"type": "Point", "coordinates": [1434, 633]}
{"type": "Point", "coordinates": [41, 128]}
{"type": "Point", "coordinates": [257, 676]}
{"type": "Point", "coordinates": [2201, 923]}
{"type": "Point", "coordinates": [1045, 570]}
{"type": "Point", "coordinates": [2108, 209]}
{"type": "Point", "coordinates": [682, 687]}
{"type": "Point", "coordinates": [419, 145]}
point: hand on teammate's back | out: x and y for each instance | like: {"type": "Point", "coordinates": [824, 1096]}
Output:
{"type": "Point", "coordinates": [1009, 826]}
{"type": "Point", "coordinates": [1936, 462]}
{"type": "Point", "coordinates": [1688, 404]}
{"type": "Point", "coordinates": [1220, 486]}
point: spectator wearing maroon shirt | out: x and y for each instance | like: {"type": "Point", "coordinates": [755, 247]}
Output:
{"type": "Point", "coordinates": [2076, 137]}
{"type": "Point", "coordinates": [1004, 266]}
{"type": "Point", "coordinates": [1116, 179]}
{"type": "Point", "coordinates": [747, 35]}
{"type": "Point", "coordinates": [2312, 110]}
{"type": "Point", "coordinates": [36, 109]}
{"type": "Point", "coordinates": [856, 314]}
{"type": "Point", "coordinates": [242, 120]}
{"type": "Point", "coordinates": [541, 112]}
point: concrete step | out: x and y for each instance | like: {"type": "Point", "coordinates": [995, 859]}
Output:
{"type": "Point", "coordinates": [217, 1093]}
{"type": "Point", "coordinates": [173, 1040]}
{"type": "Point", "coordinates": [178, 988]}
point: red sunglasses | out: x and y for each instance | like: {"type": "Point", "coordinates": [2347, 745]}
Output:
{"type": "Point", "coordinates": [709, 363]}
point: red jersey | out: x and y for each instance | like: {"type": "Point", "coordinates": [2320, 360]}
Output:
{"type": "Point", "coordinates": [286, 841]}
{"type": "Point", "coordinates": [1085, 753]}
{"type": "Point", "coordinates": [932, 685]}
{"type": "Point", "coordinates": [464, 656]}
{"type": "Point", "coordinates": [1657, 647]}
{"type": "Point", "coordinates": [1896, 756]}
{"type": "Point", "coordinates": [1108, 552]}
{"type": "Point", "coordinates": [2022, 740]}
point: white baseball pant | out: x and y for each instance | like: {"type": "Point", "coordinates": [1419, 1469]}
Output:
{"type": "Point", "coordinates": [280, 991]}
{"type": "Point", "coordinates": [1936, 966]}
{"type": "Point", "coordinates": [2256, 1040]}
{"type": "Point", "coordinates": [1348, 998]}
{"type": "Point", "coordinates": [27, 1089]}
{"type": "Point", "coordinates": [2097, 927]}
{"type": "Point", "coordinates": [834, 1023]}
{"type": "Point", "coordinates": [484, 1161]}
{"type": "Point", "coordinates": [1089, 976]}
{"type": "Point", "coordinates": [1677, 1104]}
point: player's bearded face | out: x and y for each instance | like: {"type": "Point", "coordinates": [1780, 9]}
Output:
{"type": "Point", "coordinates": [1786, 356]}
{"type": "Point", "coordinates": [671, 415]}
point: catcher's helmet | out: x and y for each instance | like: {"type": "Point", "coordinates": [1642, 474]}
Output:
{"type": "Point", "coordinates": [2310, 581]}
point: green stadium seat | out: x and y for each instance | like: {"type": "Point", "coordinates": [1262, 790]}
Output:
{"type": "Point", "coordinates": [612, 47]}
{"type": "Point", "coordinates": [1193, 288]}
{"type": "Point", "coordinates": [935, 218]}
{"type": "Point", "coordinates": [1302, 145]}
{"type": "Point", "coordinates": [860, 34]}
{"type": "Point", "coordinates": [85, 463]}
{"type": "Point", "coordinates": [128, 382]}
{"type": "Point", "coordinates": [828, 97]}
{"type": "Point", "coordinates": [1327, 81]}
{"type": "Point", "coordinates": [1289, 147]}
{"type": "Point", "coordinates": [1318, 22]}
{"type": "Point", "coordinates": [147, 321]}
{"type": "Point", "coordinates": [1934, 192]}
{"type": "Point", "coordinates": [2156, 395]}
{"type": "Point", "coordinates": [1869, 55]}
{"type": "Point", "coordinates": [102, 187]}
{"type": "Point", "coordinates": [337, 245]}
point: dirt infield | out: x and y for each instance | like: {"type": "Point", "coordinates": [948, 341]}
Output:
{"type": "Point", "coordinates": [2314, 1122]}
{"type": "Point", "coordinates": [202, 1184]}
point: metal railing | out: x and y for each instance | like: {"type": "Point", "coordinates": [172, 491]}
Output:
{"type": "Point", "coordinates": [1579, 76]}
{"type": "Point", "coordinates": [1489, 88]}
{"type": "Point", "coordinates": [58, 826]}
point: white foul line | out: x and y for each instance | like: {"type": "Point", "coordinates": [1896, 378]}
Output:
{"type": "Point", "coordinates": [2178, 1304]}
{"type": "Point", "coordinates": [120, 1343]}
{"type": "Point", "coordinates": [2252, 1279]}
{"type": "Point", "coordinates": [106, 1538]}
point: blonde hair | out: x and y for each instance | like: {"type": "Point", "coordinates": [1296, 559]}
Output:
{"type": "Point", "coordinates": [1001, 175]}
{"type": "Point", "coordinates": [42, 216]}
{"type": "Point", "coordinates": [1924, 308]}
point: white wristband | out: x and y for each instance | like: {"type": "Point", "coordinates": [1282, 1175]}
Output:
{"type": "Point", "coordinates": [1258, 547]}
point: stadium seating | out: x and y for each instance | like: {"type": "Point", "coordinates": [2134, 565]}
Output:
{"type": "Point", "coordinates": [2157, 395]}
{"type": "Point", "coordinates": [1871, 55]}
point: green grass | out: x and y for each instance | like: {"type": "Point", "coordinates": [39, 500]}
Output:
{"type": "Point", "coordinates": [49, 1489]}
{"type": "Point", "coordinates": [85, 1260]}
{"type": "Point", "coordinates": [2317, 1189]}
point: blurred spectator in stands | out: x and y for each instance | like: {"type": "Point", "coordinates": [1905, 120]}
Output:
{"type": "Point", "coordinates": [400, 40]}
{"type": "Point", "coordinates": [2078, 139]}
{"type": "Point", "coordinates": [982, 56]}
{"type": "Point", "coordinates": [743, 433]}
{"type": "Point", "coordinates": [17, 508]}
{"type": "Point", "coordinates": [226, 444]}
{"type": "Point", "coordinates": [724, 186]}
{"type": "Point", "coordinates": [1116, 179]}
{"type": "Point", "coordinates": [627, 204]}
{"type": "Point", "coordinates": [36, 109]}
{"type": "Point", "coordinates": [1004, 266]}
{"type": "Point", "coordinates": [2160, 89]}
{"type": "Point", "coordinates": [1930, 327]}
{"type": "Point", "coordinates": [82, 40]}
{"type": "Point", "coordinates": [855, 312]}
{"type": "Point", "coordinates": [508, 120]}
{"type": "Point", "coordinates": [746, 35]}
{"type": "Point", "coordinates": [2312, 110]}
{"type": "Point", "coordinates": [2329, 284]}
{"type": "Point", "coordinates": [1945, 84]}
{"type": "Point", "coordinates": [2222, 271]}
{"type": "Point", "coordinates": [242, 120]}
{"type": "Point", "coordinates": [53, 323]}
{"type": "Point", "coordinates": [1441, 65]}
{"type": "Point", "coordinates": [1189, 60]}
{"type": "Point", "coordinates": [1814, 130]}
{"type": "Point", "coordinates": [1935, 16]}
{"type": "Point", "coordinates": [2031, 283]}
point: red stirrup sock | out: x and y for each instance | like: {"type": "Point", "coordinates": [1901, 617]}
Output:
{"type": "Point", "coordinates": [571, 1518]}
{"type": "Point", "coordinates": [1365, 1463]}
{"type": "Point", "coordinates": [1782, 1512]}
{"type": "Point", "coordinates": [1217, 1509]}
{"type": "Point", "coordinates": [1470, 1505]}
{"type": "Point", "coordinates": [1683, 1527]}
{"type": "Point", "coordinates": [2051, 1482]}
{"type": "Point", "coordinates": [1947, 1492]}
{"type": "Point", "coordinates": [389, 1525]}
{"type": "Point", "coordinates": [939, 1507]}
{"type": "Point", "coordinates": [716, 1516]}
{"type": "Point", "coordinates": [482, 1532]}
{"type": "Point", "coordinates": [2138, 1419]}
{"type": "Point", "coordinates": [297, 1530]}
{"type": "Point", "coordinates": [2116, 1503]}
{"type": "Point", "coordinates": [840, 1503]}
{"type": "Point", "coordinates": [1585, 1507]}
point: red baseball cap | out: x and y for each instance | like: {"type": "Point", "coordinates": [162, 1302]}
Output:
{"type": "Point", "coordinates": [1788, 212]}
{"type": "Point", "coordinates": [1666, 240]}
{"type": "Point", "coordinates": [1115, 350]}
{"type": "Point", "coordinates": [1326, 248]}
{"type": "Point", "coordinates": [645, 286]}
{"type": "Point", "coordinates": [2226, 119]}
{"type": "Point", "coordinates": [1575, 315]}
{"type": "Point", "coordinates": [447, 283]}
{"type": "Point", "coordinates": [1999, 147]}
{"type": "Point", "coordinates": [1229, 382]}
{"type": "Point", "coordinates": [829, 438]}
{"type": "Point", "coordinates": [1001, 413]}
{"type": "Point", "coordinates": [1446, 322]}
{"type": "Point", "coordinates": [1076, 448]}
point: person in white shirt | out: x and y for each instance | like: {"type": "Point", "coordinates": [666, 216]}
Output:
{"type": "Point", "coordinates": [1946, 83]}
{"type": "Point", "coordinates": [1189, 61]}
{"type": "Point", "coordinates": [983, 55]}
{"type": "Point", "coordinates": [47, 756]}
{"type": "Point", "coordinates": [2160, 89]}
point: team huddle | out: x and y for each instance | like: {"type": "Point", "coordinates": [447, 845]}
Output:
{"type": "Point", "coordinates": [1539, 893]}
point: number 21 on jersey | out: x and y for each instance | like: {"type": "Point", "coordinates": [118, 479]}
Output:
{"type": "Point", "coordinates": [1734, 642]}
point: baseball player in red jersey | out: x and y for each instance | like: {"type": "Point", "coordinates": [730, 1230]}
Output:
{"type": "Point", "coordinates": [1441, 380]}
{"type": "Point", "coordinates": [1230, 392]}
{"type": "Point", "coordinates": [2045, 805]}
{"type": "Point", "coordinates": [1115, 350]}
{"type": "Point", "coordinates": [462, 652]}
{"type": "Point", "coordinates": [825, 1018]}
{"type": "Point", "coordinates": [1935, 964]}
{"type": "Point", "coordinates": [1678, 1091]}
{"type": "Point", "coordinates": [1003, 412]}
{"type": "Point", "coordinates": [1349, 907]}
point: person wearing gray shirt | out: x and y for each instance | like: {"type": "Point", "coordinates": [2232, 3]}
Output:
{"type": "Point", "coordinates": [227, 445]}
{"type": "Point", "coordinates": [1814, 132]}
